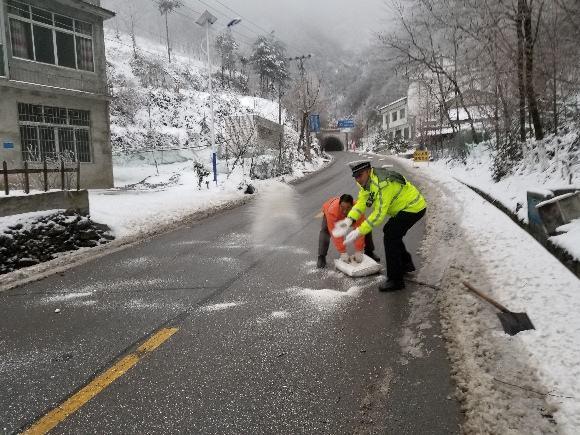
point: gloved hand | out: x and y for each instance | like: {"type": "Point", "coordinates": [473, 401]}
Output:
{"type": "Point", "coordinates": [352, 236]}
{"type": "Point", "coordinates": [344, 257]}
{"type": "Point", "coordinates": [358, 256]}
{"type": "Point", "coordinates": [341, 227]}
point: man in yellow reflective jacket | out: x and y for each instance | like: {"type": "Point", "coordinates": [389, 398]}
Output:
{"type": "Point", "coordinates": [390, 194]}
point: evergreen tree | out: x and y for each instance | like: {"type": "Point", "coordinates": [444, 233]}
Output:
{"type": "Point", "coordinates": [227, 48]}
{"type": "Point", "coordinates": [270, 63]}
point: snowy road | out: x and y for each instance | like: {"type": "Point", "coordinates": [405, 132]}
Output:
{"type": "Point", "coordinates": [264, 342]}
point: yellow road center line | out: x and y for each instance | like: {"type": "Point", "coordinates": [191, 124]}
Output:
{"type": "Point", "coordinates": [102, 381]}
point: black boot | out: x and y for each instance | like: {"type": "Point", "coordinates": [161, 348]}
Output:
{"type": "Point", "coordinates": [373, 256]}
{"type": "Point", "coordinates": [321, 263]}
{"type": "Point", "coordinates": [409, 267]}
{"type": "Point", "coordinates": [392, 285]}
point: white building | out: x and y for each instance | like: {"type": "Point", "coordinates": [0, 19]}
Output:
{"type": "Point", "coordinates": [397, 121]}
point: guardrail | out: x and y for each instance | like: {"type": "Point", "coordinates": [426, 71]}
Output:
{"type": "Point", "coordinates": [26, 171]}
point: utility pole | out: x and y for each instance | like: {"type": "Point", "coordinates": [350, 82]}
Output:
{"type": "Point", "coordinates": [304, 87]}
{"type": "Point", "coordinates": [206, 20]}
{"type": "Point", "coordinates": [167, 33]}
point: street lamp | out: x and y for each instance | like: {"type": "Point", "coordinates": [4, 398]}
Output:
{"type": "Point", "coordinates": [234, 22]}
{"type": "Point", "coordinates": [206, 20]}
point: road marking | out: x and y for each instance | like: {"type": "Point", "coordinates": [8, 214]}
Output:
{"type": "Point", "coordinates": [319, 215]}
{"type": "Point", "coordinates": [93, 388]}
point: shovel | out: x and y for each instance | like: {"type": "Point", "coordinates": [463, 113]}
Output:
{"type": "Point", "coordinates": [512, 322]}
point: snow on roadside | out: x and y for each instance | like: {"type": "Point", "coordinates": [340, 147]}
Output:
{"type": "Point", "coordinates": [173, 195]}
{"type": "Point", "coordinates": [512, 190]}
{"type": "Point", "coordinates": [570, 240]}
{"type": "Point", "coordinates": [507, 384]}
{"type": "Point", "coordinates": [25, 219]}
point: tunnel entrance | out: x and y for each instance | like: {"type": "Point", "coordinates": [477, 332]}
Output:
{"type": "Point", "coordinates": [332, 144]}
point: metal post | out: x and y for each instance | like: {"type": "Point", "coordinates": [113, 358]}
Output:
{"type": "Point", "coordinates": [26, 179]}
{"type": "Point", "coordinates": [5, 169]}
{"type": "Point", "coordinates": [213, 150]}
{"type": "Point", "coordinates": [45, 173]}
{"type": "Point", "coordinates": [78, 175]}
{"type": "Point", "coordinates": [62, 174]}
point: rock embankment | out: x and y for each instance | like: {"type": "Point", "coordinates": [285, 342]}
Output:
{"type": "Point", "coordinates": [23, 245]}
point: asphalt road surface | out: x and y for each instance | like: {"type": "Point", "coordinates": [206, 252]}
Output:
{"type": "Point", "coordinates": [260, 341]}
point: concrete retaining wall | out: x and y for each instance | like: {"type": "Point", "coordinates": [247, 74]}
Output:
{"type": "Point", "coordinates": [65, 199]}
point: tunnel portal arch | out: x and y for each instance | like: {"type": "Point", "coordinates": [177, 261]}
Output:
{"type": "Point", "coordinates": [332, 143]}
{"type": "Point", "coordinates": [332, 140]}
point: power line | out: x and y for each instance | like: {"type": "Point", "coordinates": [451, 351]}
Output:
{"type": "Point", "coordinates": [256, 25]}
{"type": "Point", "coordinates": [237, 13]}
{"type": "Point", "coordinates": [293, 47]}
{"type": "Point", "coordinates": [245, 39]}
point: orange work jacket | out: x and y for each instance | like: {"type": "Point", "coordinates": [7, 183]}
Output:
{"type": "Point", "coordinates": [331, 210]}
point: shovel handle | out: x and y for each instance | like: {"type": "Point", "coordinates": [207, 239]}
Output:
{"type": "Point", "coordinates": [486, 298]}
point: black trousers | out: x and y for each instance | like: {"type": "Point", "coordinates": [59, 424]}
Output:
{"type": "Point", "coordinates": [324, 239]}
{"type": "Point", "coordinates": [396, 254]}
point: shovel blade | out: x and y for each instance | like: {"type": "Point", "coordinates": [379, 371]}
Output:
{"type": "Point", "coordinates": [515, 322]}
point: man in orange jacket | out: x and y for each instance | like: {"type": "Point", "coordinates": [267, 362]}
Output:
{"type": "Point", "coordinates": [334, 210]}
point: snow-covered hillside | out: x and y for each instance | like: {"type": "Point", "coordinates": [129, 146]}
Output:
{"type": "Point", "coordinates": [157, 104]}
{"type": "Point", "coordinates": [553, 163]}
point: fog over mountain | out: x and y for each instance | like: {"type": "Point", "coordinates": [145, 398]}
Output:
{"type": "Point", "coordinates": [340, 35]}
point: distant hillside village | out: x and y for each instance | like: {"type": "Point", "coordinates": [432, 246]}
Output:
{"type": "Point", "coordinates": [422, 118]}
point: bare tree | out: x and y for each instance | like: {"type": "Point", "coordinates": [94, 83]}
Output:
{"type": "Point", "coordinates": [238, 137]}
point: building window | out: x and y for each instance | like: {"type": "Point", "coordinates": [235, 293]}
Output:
{"type": "Point", "coordinates": [398, 134]}
{"type": "Point", "coordinates": [40, 35]}
{"type": "Point", "coordinates": [406, 133]}
{"type": "Point", "coordinates": [394, 116]}
{"type": "Point", "coordinates": [402, 114]}
{"type": "Point", "coordinates": [54, 133]}
{"type": "Point", "coordinates": [391, 135]}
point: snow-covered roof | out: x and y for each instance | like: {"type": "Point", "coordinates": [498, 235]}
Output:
{"type": "Point", "coordinates": [556, 199]}
{"type": "Point", "coordinates": [392, 103]}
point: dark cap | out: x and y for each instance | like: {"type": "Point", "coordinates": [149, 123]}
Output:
{"type": "Point", "coordinates": [358, 166]}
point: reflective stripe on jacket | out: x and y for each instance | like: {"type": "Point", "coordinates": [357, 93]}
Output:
{"type": "Point", "coordinates": [388, 192]}
{"type": "Point", "coordinates": [331, 210]}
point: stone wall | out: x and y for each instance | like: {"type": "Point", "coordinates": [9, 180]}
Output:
{"type": "Point", "coordinates": [65, 200]}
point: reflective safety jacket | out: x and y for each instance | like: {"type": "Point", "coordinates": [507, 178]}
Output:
{"type": "Point", "coordinates": [333, 214]}
{"type": "Point", "coordinates": [388, 192]}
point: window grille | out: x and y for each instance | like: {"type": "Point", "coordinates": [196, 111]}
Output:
{"type": "Point", "coordinates": [49, 132]}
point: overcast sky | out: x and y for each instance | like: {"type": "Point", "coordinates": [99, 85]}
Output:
{"type": "Point", "coordinates": [299, 22]}
{"type": "Point", "coordinates": [304, 25]}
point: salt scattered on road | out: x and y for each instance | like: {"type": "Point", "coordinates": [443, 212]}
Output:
{"type": "Point", "coordinates": [219, 307]}
{"type": "Point", "coordinates": [280, 314]}
{"type": "Point", "coordinates": [66, 297]}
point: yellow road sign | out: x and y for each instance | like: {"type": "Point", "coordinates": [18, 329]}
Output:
{"type": "Point", "coordinates": [421, 156]}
